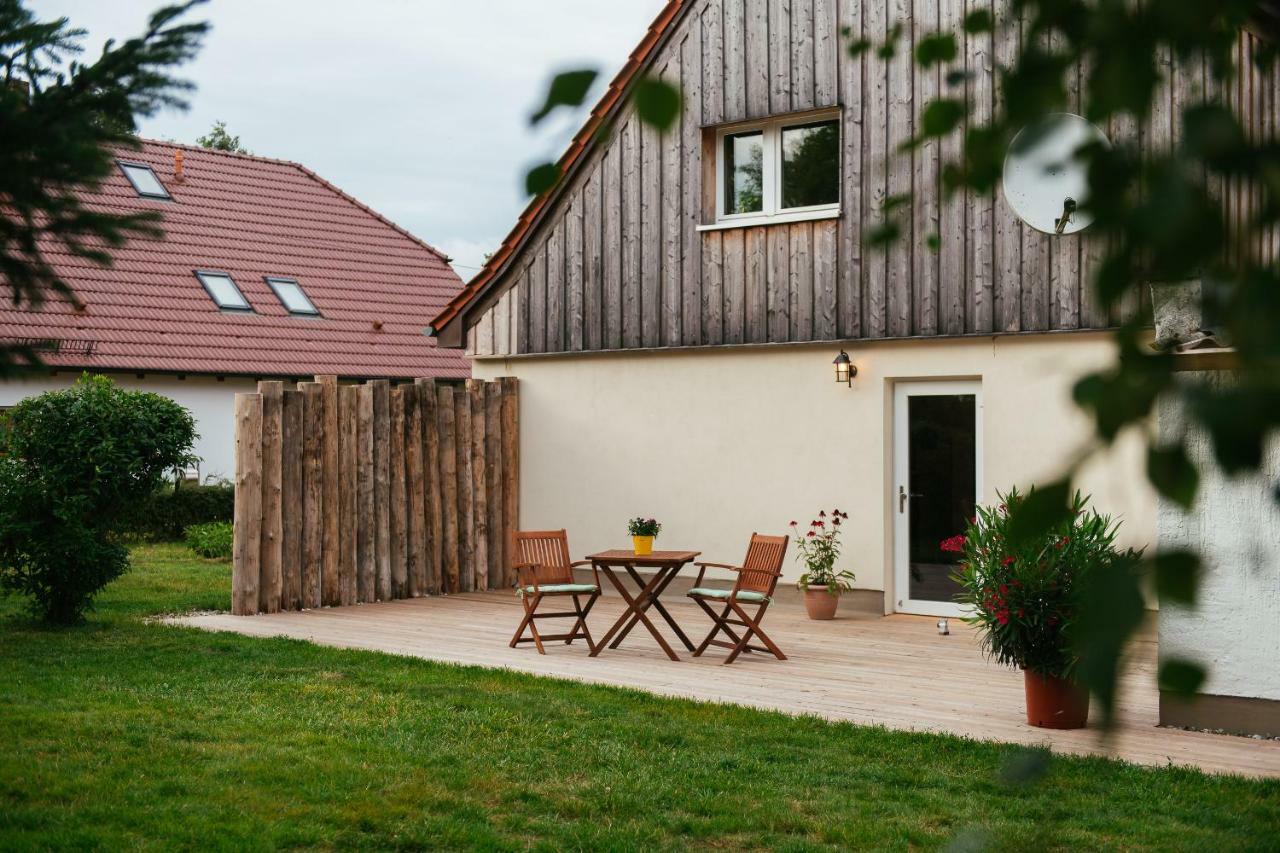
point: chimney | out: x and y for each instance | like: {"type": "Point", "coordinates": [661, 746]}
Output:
{"type": "Point", "coordinates": [177, 166]}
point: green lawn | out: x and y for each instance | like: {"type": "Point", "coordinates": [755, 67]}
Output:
{"type": "Point", "coordinates": [123, 733]}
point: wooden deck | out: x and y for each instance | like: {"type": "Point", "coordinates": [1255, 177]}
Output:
{"type": "Point", "coordinates": [892, 671]}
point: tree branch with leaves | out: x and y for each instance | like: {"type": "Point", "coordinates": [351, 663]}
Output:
{"type": "Point", "coordinates": [63, 120]}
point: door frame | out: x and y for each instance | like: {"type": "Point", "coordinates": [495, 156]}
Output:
{"type": "Point", "coordinates": [899, 476]}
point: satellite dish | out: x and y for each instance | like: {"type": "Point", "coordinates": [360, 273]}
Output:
{"type": "Point", "coordinates": [1044, 182]}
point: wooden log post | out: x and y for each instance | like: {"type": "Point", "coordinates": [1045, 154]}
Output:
{"type": "Point", "coordinates": [348, 509]}
{"type": "Point", "coordinates": [399, 515]}
{"type": "Point", "coordinates": [462, 448]}
{"type": "Point", "coordinates": [272, 557]}
{"type": "Point", "coordinates": [424, 472]}
{"type": "Point", "coordinates": [479, 487]}
{"type": "Point", "coordinates": [449, 487]}
{"type": "Point", "coordinates": [313, 505]}
{"type": "Point", "coordinates": [330, 589]}
{"type": "Point", "coordinates": [417, 540]}
{"type": "Point", "coordinates": [366, 519]}
{"type": "Point", "coordinates": [510, 470]}
{"type": "Point", "coordinates": [494, 484]}
{"type": "Point", "coordinates": [382, 487]}
{"type": "Point", "coordinates": [431, 454]}
{"type": "Point", "coordinates": [291, 500]}
{"type": "Point", "coordinates": [247, 550]}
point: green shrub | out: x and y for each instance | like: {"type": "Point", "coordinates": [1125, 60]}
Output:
{"type": "Point", "coordinates": [212, 540]}
{"type": "Point", "coordinates": [73, 465]}
{"type": "Point", "coordinates": [167, 512]}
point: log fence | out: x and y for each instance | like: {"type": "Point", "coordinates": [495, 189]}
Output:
{"type": "Point", "coordinates": [348, 494]}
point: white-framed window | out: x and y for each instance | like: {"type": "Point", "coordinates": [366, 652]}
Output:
{"type": "Point", "coordinates": [779, 169]}
{"type": "Point", "coordinates": [144, 180]}
{"type": "Point", "coordinates": [292, 296]}
{"type": "Point", "coordinates": [223, 291]}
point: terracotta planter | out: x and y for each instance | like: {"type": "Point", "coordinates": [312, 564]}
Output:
{"type": "Point", "coordinates": [820, 604]}
{"type": "Point", "coordinates": [1055, 703]}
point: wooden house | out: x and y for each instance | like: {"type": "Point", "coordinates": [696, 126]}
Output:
{"type": "Point", "coordinates": [673, 308]}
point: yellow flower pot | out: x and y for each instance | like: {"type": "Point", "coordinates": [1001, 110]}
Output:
{"type": "Point", "coordinates": [643, 545]}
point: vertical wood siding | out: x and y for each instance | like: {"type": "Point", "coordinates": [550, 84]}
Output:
{"type": "Point", "coordinates": [618, 261]}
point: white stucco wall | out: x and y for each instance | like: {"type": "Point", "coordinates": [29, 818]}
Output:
{"type": "Point", "coordinates": [210, 401]}
{"type": "Point", "coordinates": [1234, 629]}
{"type": "Point", "coordinates": [718, 443]}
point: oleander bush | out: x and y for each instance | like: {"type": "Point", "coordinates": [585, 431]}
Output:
{"type": "Point", "coordinates": [1024, 593]}
{"type": "Point", "coordinates": [73, 465]}
{"type": "Point", "coordinates": [212, 540]}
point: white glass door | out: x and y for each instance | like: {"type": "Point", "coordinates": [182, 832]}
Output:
{"type": "Point", "coordinates": [937, 469]}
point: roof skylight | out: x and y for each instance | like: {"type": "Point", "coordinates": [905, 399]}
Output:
{"type": "Point", "coordinates": [144, 180]}
{"type": "Point", "coordinates": [223, 291]}
{"type": "Point", "coordinates": [292, 296]}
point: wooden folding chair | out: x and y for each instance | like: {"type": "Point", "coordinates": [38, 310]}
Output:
{"type": "Point", "coordinates": [757, 577]}
{"type": "Point", "coordinates": [545, 570]}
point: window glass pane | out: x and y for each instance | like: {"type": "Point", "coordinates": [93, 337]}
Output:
{"type": "Point", "coordinates": [223, 290]}
{"type": "Point", "coordinates": [941, 453]}
{"type": "Point", "coordinates": [144, 181]}
{"type": "Point", "coordinates": [744, 172]}
{"type": "Point", "coordinates": [291, 294]}
{"type": "Point", "coordinates": [811, 164]}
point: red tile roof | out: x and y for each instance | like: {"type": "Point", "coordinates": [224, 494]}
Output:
{"type": "Point", "coordinates": [376, 285]}
{"type": "Point", "coordinates": [582, 143]}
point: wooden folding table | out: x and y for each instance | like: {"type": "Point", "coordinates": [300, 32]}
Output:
{"type": "Point", "coordinates": [666, 565]}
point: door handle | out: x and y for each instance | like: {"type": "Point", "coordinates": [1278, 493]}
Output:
{"type": "Point", "coordinates": [903, 494]}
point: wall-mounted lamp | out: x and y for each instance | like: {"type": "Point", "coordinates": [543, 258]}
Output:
{"type": "Point", "coordinates": [845, 368]}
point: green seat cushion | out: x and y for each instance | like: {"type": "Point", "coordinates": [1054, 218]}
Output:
{"type": "Point", "coordinates": [562, 587]}
{"type": "Point", "coordinates": [723, 594]}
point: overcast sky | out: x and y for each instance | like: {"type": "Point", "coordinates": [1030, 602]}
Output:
{"type": "Point", "coordinates": [416, 107]}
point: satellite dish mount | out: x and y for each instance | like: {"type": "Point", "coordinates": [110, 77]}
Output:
{"type": "Point", "coordinates": [1045, 181]}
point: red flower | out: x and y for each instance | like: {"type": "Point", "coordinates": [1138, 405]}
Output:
{"type": "Point", "coordinates": [811, 533]}
{"type": "Point", "coordinates": [1003, 617]}
{"type": "Point", "coordinates": [820, 523]}
{"type": "Point", "coordinates": [1007, 560]}
{"type": "Point", "coordinates": [1062, 543]}
{"type": "Point", "coordinates": [793, 524]}
{"type": "Point", "coordinates": [822, 513]}
{"type": "Point", "coordinates": [1004, 589]}
{"type": "Point", "coordinates": [836, 521]}
{"type": "Point", "coordinates": [954, 545]}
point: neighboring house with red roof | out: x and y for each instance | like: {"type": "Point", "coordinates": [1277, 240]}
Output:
{"type": "Point", "coordinates": [265, 271]}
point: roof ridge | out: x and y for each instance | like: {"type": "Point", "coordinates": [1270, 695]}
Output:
{"type": "Point", "coordinates": [244, 155]}
{"type": "Point", "coordinates": [375, 214]}
{"type": "Point", "coordinates": [582, 142]}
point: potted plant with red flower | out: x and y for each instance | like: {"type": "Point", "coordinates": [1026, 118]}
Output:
{"type": "Point", "coordinates": [818, 549]}
{"type": "Point", "coordinates": [1025, 595]}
